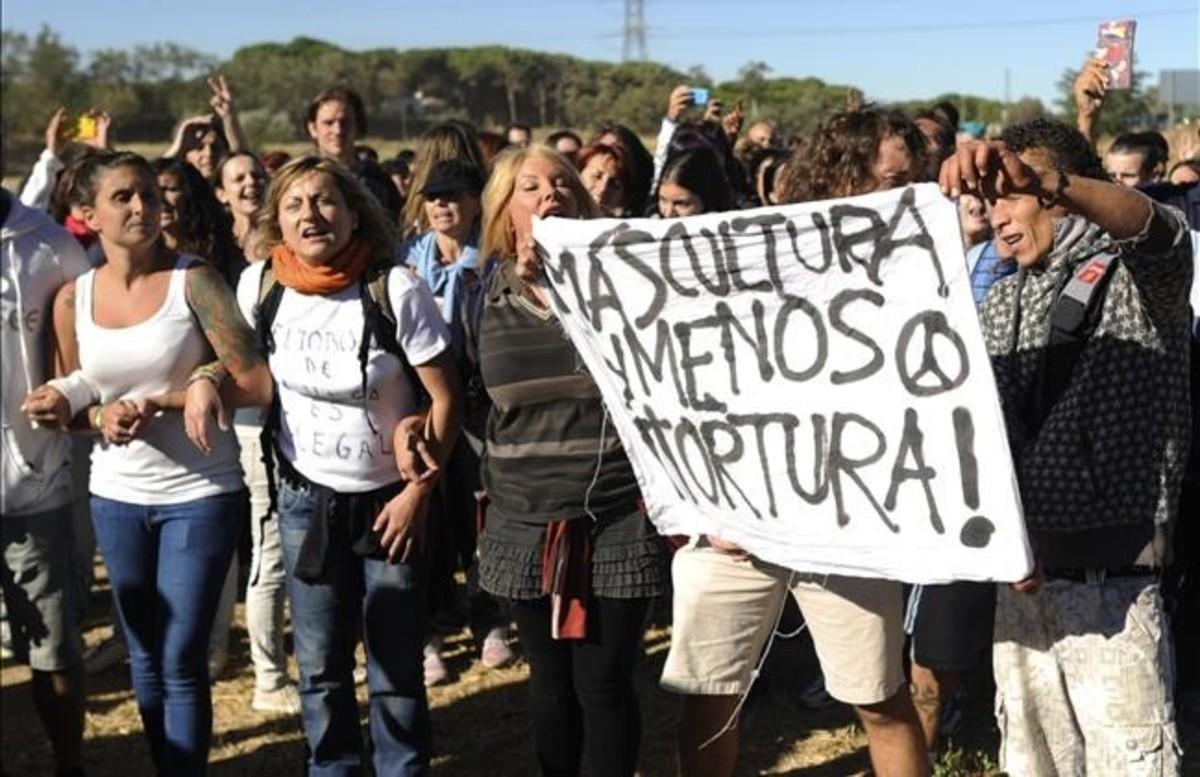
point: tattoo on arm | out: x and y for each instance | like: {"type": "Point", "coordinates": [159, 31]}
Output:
{"type": "Point", "coordinates": [215, 307]}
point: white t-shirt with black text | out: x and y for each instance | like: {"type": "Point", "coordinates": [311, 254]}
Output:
{"type": "Point", "coordinates": [324, 432]}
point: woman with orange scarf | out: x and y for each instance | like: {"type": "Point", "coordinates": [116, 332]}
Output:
{"type": "Point", "coordinates": [352, 344]}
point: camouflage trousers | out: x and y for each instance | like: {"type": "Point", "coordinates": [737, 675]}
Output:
{"type": "Point", "coordinates": [1084, 680]}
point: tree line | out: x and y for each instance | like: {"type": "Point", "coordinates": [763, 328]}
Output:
{"type": "Point", "coordinates": [148, 88]}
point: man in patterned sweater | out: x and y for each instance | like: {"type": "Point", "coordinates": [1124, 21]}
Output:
{"type": "Point", "coordinates": [1082, 658]}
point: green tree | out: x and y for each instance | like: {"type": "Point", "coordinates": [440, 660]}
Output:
{"type": "Point", "coordinates": [110, 83]}
{"type": "Point", "coordinates": [39, 75]}
{"type": "Point", "coordinates": [148, 88]}
{"type": "Point", "coordinates": [752, 79]}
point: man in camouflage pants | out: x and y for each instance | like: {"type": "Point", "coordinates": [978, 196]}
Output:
{"type": "Point", "coordinates": [1082, 655]}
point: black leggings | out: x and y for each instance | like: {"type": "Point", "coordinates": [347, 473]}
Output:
{"type": "Point", "coordinates": [581, 695]}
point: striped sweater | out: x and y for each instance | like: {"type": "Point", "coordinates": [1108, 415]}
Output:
{"type": "Point", "coordinates": [551, 453]}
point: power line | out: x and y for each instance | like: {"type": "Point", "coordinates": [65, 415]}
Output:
{"type": "Point", "coordinates": [727, 33]}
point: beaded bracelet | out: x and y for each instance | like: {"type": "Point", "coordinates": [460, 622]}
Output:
{"type": "Point", "coordinates": [213, 372]}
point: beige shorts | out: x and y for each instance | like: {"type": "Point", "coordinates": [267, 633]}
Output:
{"type": "Point", "coordinates": [725, 608]}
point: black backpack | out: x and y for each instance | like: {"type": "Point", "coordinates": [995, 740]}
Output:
{"type": "Point", "coordinates": [1073, 320]}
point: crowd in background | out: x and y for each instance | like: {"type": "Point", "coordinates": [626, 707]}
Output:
{"type": "Point", "coordinates": [353, 361]}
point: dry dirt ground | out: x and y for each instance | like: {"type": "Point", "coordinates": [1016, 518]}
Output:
{"type": "Point", "coordinates": [479, 720]}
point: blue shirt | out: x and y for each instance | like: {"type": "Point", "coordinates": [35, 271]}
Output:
{"type": "Point", "coordinates": [986, 268]}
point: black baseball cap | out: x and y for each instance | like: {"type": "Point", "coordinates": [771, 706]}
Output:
{"type": "Point", "coordinates": [451, 176]}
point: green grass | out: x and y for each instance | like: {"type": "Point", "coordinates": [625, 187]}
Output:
{"type": "Point", "coordinates": [957, 762]}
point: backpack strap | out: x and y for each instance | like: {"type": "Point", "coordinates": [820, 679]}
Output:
{"type": "Point", "coordinates": [379, 326]}
{"type": "Point", "coordinates": [270, 294]}
{"type": "Point", "coordinates": [1073, 319]}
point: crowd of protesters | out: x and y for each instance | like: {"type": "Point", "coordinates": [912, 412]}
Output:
{"type": "Point", "coordinates": [355, 362]}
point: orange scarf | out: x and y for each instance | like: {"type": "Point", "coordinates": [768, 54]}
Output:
{"type": "Point", "coordinates": [329, 278]}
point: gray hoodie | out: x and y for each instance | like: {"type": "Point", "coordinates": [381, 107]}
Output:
{"type": "Point", "coordinates": [37, 257]}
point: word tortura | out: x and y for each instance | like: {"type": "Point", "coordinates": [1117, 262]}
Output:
{"type": "Point", "coordinates": [754, 326]}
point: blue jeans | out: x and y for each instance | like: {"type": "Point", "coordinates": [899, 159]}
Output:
{"type": "Point", "coordinates": [166, 564]}
{"type": "Point", "coordinates": [385, 600]}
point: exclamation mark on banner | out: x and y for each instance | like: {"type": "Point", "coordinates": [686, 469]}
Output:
{"type": "Point", "coordinates": [968, 467]}
{"type": "Point", "coordinates": [977, 531]}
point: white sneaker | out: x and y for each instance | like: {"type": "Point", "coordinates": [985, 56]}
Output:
{"type": "Point", "coordinates": [495, 652]}
{"type": "Point", "coordinates": [435, 668]}
{"type": "Point", "coordinates": [284, 700]}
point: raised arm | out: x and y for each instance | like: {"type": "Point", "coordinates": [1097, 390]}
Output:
{"type": "Point", "coordinates": [678, 102]}
{"type": "Point", "coordinates": [223, 105]}
{"type": "Point", "coordinates": [1089, 89]}
{"type": "Point", "coordinates": [177, 141]}
{"type": "Point", "coordinates": [991, 169]}
{"type": "Point", "coordinates": [40, 184]}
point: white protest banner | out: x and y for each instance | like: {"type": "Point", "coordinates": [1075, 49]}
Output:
{"type": "Point", "coordinates": [808, 381]}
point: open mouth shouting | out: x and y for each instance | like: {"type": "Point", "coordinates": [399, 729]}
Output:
{"type": "Point", "coordinates": [317, 233]}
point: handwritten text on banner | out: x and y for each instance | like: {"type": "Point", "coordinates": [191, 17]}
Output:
{"type": "Point", "coordinates": [808, 381]}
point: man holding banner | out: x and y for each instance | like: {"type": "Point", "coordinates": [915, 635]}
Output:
{"type": "Point", "coordinates": [1089, 343]}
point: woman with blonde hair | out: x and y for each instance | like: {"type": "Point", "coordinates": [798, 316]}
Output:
{"type": "Point", "coordinates": [353, 342]}
{"type": "Point", "coordinates": [565, 537]}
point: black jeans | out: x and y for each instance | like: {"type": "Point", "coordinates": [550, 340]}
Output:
{"type": "Point", "coordinates": [581, 694]}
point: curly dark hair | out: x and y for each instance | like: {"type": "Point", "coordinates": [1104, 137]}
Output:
{"type": "Point", "coordinates": [838, 159]}
{"type": "Point", "coordinates": [1068, 149]}
{"type": "Point", "coordinates": [202, 226]}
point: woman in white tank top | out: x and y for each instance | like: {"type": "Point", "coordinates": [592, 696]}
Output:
{"type": "Point", "coordinates": [143, 329]}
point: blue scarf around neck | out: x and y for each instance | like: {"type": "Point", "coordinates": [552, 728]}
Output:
{"type": "Point", "coordinates": [444, 280]}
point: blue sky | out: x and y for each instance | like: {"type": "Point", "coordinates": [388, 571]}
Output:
{"type": "Point", "coordinates": [892, 49]}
